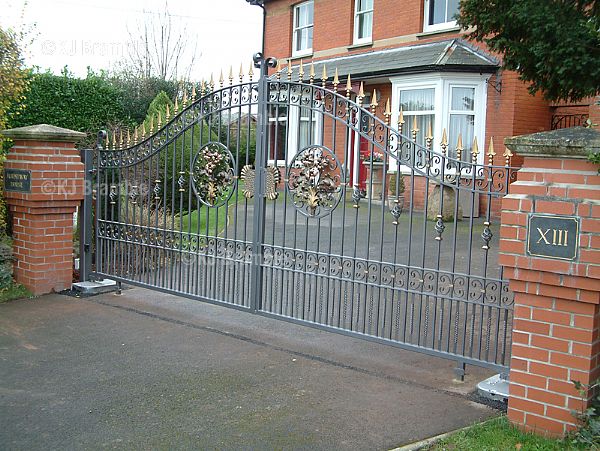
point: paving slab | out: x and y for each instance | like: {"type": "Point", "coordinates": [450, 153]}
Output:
{"type": "Point", "coordinates": [147, 370]}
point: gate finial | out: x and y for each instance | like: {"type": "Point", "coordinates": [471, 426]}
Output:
{"type": "Point", "coordinates": [159, 120]}
{"type": "Point", "coordinates": [400, 120]}
{"type": "Point", "coordinates": [221, 79]}
{"type": "Point", "coordinates": [491, 153]}
{"type": "Point", "coordinates": [278, 70]}
{"type": "Point", "coordinates": [168, 113]}
{"type": "Point", "coordinates": [289, 69]}
{"type": "Point", "coordinates": [336, 80]}
{"type": "Point", "coordinates": [429, 137]}
{"type": "Point", "coordinates": [459, 147]}
{"type": "Point", "coordinates": [128, 138]}
{"type": "Point", "coordinates": [348, 87]}
{"type": "Point", "coordinates": [444, 143]}
{"type": "Point", "coordinates": [114, 139]}
{"type": "Point", "coordinates": [143, 131]}
{"type": "Point", "coordinates": [135, 136]}
{"type": "Point", "coordinates": [311, 76]}
{"type": "Point", "coordinates": [251, 72]}
{"type": "Point", "coordinates": [415, 129]}
{"type": "Point", "coordinates": [151, 123]}
{"type": "Point", "coordinates": [241, 73]}
{"type": "Point", "coordinates": [324, 76]}
{"type": "Point", "coordinates": [230, 75]}
{"type": "Point", "coordinates": [211, 83]}
{"type": "Point", "coordinates": [374, 103]}
{"type": "Point", "coordinates": [301, 72]}
{"type": "Point", "coordinates": [388, 112]}
{"type": "Point", "coordinates": [507, 156]}
{"type": "Point", "coordinates": [176, 106]}
{"type": "Point", "coordinates": [184, 100]}
{"type": "Point", "coordinates": [475, 150]}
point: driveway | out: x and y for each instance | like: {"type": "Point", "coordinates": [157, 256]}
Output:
{"type": "Point", "coordinates": [147, 370]}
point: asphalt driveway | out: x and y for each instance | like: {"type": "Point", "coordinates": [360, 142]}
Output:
{"type": "Point", "coordinates": [147, 370]}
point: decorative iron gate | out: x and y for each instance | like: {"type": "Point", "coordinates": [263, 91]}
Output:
{"type": "Point", "coordinates": [248, 197]}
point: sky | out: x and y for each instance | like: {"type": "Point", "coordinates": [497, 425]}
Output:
{"type": "Point", "coordinates": [97, 33]}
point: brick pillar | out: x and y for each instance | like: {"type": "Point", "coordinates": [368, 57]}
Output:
{"type": "Point", "coordinates": [556, 330]}
{"type": "Point", "coordinates": [44, 184]}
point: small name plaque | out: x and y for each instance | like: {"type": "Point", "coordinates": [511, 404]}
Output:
{"type": "Point", "coordinates": [17, 180]}
{"type": "Point", "coordinates": [553, 236]}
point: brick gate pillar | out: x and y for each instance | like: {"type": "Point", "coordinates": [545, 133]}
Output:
{"type": "Point", "coordinates": [550, 250]}
{"type": "Point", "coordinates": [43, 185]}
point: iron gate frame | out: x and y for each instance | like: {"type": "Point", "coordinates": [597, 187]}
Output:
{"type": "Point", "coordinates": [92, 206]}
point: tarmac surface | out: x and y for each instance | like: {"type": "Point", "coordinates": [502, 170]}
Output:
{"type": "Point", "coordinates": [147, 370]}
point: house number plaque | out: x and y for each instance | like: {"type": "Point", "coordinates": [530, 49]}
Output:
{"type": "Point", "coordinates": [553, 236]}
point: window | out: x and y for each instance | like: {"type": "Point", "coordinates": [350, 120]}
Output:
{"type": "Point", "coordinates": [439, 14]}
{"type": "Point", "coordinates": [363, 21]}
{"type": "Point", "coordinates": [455, 102]}
{"type": "Point", "coordinates": [291, 129]}
{"type": "Point", "coordinates": [303, 29]}
{"type": "Point", "coordinates": [418, 104]}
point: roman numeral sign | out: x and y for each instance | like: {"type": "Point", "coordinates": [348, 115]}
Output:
{"type": "Point", "coordinates": [553, 236]}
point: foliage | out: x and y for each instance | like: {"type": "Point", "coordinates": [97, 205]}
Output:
{"type": "Point", "coordinates": [82, 104]}
{"type": "Point", "coordinates": [553, 44]}
{"type": "Point", "coordinates": [588, 434]}
{"type": "Point", "coordinates": [6, 264]}
{"type": "Point", "coordinates": [137, 93]}
{"type": "Point", "coordinates": [396, 179]}
{"type": "Point", "coordinates": [14, 291]}
{"type": "Point", "coordinates": [594, 157]}
{"type": "Point", "coordinates": [499, 435]}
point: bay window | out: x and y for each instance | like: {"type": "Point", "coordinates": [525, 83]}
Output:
{"type": "Point", "coordinates": [455, 102]}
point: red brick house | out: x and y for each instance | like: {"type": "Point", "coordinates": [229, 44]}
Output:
{"type": "Point", "coordinates": [413, 53]}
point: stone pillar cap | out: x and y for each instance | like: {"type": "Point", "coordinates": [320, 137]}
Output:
{"type": "Point", "coordinates": [43, 132]}
{"type": "Point", "coordinates": [575, 142]}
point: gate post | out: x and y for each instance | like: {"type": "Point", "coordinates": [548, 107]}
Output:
{"type": "Point", "coordinates": [44, 184]}
{"type": "Point", "coordinates": [550, 251]}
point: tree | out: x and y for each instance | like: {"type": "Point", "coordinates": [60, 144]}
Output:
{"type": "Point", "coordinates": [552, 44]}
{"type": "Point", "coordinates": [160, 48]}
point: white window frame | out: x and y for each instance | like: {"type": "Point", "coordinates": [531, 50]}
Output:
{"type": "Point", "coordinates": [443, 84]}
{"type": "Point", "coordinates": [308, 51]}
{"type": "Point", "coordinates": [438, 26]}
{"type": "Point", "coordinates": [357, 13]}
{"type": "Point", "coordinates": [292, 123]}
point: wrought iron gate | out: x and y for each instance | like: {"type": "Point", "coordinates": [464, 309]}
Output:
{"type": "Point", "coordinates": [248, 197]}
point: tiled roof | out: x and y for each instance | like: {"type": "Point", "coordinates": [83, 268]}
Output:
{"type": "Point", "coordinates": [449, 55]}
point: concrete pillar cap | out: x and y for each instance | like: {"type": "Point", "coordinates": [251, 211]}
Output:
{"type": "Point", "coordinates": [43, 132]}
{"type": "Point", "coordinates": [575, 142]}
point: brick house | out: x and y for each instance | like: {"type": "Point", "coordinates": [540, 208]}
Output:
{"type": "Point", "coordinates": [414, 54]}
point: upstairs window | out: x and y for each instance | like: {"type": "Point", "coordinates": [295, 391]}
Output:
{"type": "Point", "coordinates": [363, 21]}
{"type": "Point", "coordinates": [303, 29]}
{"type": "Point", "coordinates": [440, 14]}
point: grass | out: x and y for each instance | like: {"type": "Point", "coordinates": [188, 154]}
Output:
{"type": "Point", "coordinates": [14, 291]}
{"type": "Point", "coordinates": [217, 218]}
{"type": "Point", "coordinates": [499, 435]}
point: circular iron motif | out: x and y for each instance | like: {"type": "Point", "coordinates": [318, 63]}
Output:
{"type": "Point", "coordinates": [213, 173]}
{"type": "Point", "coordinates": [314, 181]}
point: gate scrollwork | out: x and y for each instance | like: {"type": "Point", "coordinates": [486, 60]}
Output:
{"type": "Point", "coordinates": [213, 174]}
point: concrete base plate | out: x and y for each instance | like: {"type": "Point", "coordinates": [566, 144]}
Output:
{"type": "Point", "coordinates": [96, 287]}
{"type": "Point", "coordinates": [494, 388]}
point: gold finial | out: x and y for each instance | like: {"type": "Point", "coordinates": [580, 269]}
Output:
{"type": "Point", "coordinates": [361, 91]}
{"type": "Point", "coordinates": [374, 103]}
{"type": "Point", "coordinates": [491, 154]}
{"type": "Point", "coordinates": [168, 113]}
{"type": "Point", "coordinates": [336, 80]}
{"type": "Point", "coordinates": [415, 128]}
{"type": "Point", "coordinates": [106, 142]}
{"type": "Point", "coordinates": [475, 150]}
{"type": "Point", "coordinates": [459, 147]}
{"type": "Point", "coordinates": [507, 156]}
{"type": "Point", "coordinates": [324, 75]}
{"type": "Point", "coordinates": [151, 124]}
{"type": "Point", "coordinates": [278, 70]}
{"type": "Point", "coordinates": [301, 72]}
{"type": "Point", "coordinates": [311, 74]}
{"type": "Point", "coordinates": [241, 73]}
{"type": "Point", "coordinates": [135, 135]}
{"type": "Point", "coordinates": [251, 71]}
{"type": "Point", "coordinates": [400, 121]}
{"type": "Point", "coordinates": [120, 138]}
{"type": "Point", "coordinates": [388, 112]}
{"type": "Point", "coordinates": [176, 107]}
{"type": "Point", "coordinates": [184, 99]}
{"type": "Point", "coordinates": [159, 121]}
{"type": "Point", "coordinates": [444, 143]}
{"type": "Point", "coordinates": [348, 87]}
{"type": "Point", "coordinates": [211, 83]}
{"type": "Point", "coordinates": [202, 89]}
{"type": "Point", "coordinates": [289, 70]}
{"type": "Point", "coordinates": [230, 75]}
{"type": "Point", "coordinates": [143, 130]}
{"type": "Point", "coordinates": [128, 138]}
{"type": "Point", "coordinates": [114, 139]}
{"type": "Point", "coordinates": [221, 79]}
{"type": "Point", "coordinates": [429, 137]}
